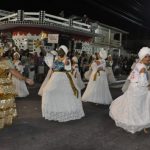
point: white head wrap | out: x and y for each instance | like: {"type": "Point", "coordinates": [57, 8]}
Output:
{"type": "Point", "coordinates": [65, 49]}
{"type": "Point", "coordinates": [143, 52]}
{"type": "Point", "coordinates": [93, 56]}
{"type": "Point", "coordinates": [75, 59]}
{"type": "Point", "coordinates": [16, 53]}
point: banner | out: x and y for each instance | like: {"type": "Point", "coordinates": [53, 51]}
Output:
{"type": "Point", "coordinates": [53, 38]}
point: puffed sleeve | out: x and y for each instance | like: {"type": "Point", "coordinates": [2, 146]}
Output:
{"type": "Point", "coordinates": [49, 59]}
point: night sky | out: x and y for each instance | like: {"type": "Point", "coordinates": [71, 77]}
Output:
{"type": "Point", "coordinates": [129, 15]}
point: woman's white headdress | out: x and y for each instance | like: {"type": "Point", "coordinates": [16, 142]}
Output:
{"type": "Point", "coordinates": [143, 52]}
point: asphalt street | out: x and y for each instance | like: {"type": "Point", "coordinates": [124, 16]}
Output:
{"type": "Point", "coordinates": [96, 131]}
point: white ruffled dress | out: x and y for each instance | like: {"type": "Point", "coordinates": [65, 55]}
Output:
{"type": "Point", "coordinates": [131, 111]}
{"type": "Point", "coordinates": [97, 90]}
{"type": "Point", "coordinates": [20, 85]}
{"type": "Point", "coordinates": [59, 103]}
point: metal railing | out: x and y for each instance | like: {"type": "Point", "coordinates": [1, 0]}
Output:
{"type": "Point", "coordinates": [9, 17]}
{"type": "Point", "coordinates": [48, 18]}
{"type": "Point", "coordinates": [5, 13]}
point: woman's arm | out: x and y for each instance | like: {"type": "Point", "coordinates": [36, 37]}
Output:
{"type": "Point", "coordinates": [20, 76]}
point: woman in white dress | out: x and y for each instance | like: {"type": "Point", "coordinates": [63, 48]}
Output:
{"type": "Point", "coordinates": [60, 100]}
{"type": "Point", "coordinates": [131, 111]}
{"type": "Point", "coordinates": [20, 85]}
{"type": "Point", "coordinates": [109, 71]}
{"type": "Point", "coordinates": [97, 90]}
{"type": "Point", "coordinates": [76, 74]}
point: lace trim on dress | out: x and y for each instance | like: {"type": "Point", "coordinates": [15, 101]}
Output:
{"type": "Point", "coordinates": [63, 116]}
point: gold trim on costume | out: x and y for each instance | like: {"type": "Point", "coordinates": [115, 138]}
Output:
{"type": "Point", "coordinates": [75, 91]}
{"type": "Point", "coordinates": [95, 75]}
{"type": "Point", "coordinates": [7, 97]}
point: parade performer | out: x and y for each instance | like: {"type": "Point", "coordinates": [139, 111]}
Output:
{"type": "Point", "coordinates": [60, 100]}
{"type": "Point", "coordinates": [97, 90]}
{"type": "Point", "coordinates": [7, 91]}
{"type": "Point", "coordinates": [131, 111]}
{"type": "Point", "coordinates": [20, 85]}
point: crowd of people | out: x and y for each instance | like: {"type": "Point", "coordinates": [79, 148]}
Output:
{"type": "Point", "coordinates": [61, 88]}
{"type": "Point", "coordinates": [122, 64]}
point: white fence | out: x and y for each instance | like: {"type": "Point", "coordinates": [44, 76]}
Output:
{"type": "Point", "coordinates": [5, 13]}
{"type": "Point", "coordinates": [48, 18]}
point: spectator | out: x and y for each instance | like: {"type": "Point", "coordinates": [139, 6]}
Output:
{"type": "Point", "coordinates": [61, 14]}
{"type": "Point", "coordinates": [85, 19]}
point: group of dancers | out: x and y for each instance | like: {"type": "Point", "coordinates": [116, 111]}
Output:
{"type": "Point", "coordinates": [61, 91]}
{"type": "Point", "coordinates": [61, 99]}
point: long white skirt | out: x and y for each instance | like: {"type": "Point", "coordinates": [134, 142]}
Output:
{"type": "Point", "coordinates": [131, 111]}
{"type": "Point", "coordinates": [58, 100]}
{"type": "Point", "coordinates": [98, 91]}
{"type": "Point", "coordinates": [110, 75]}
{"type": "Point", "coordinates": [40, 92]}
{"type": "Point", "coordinates": [20, 87]}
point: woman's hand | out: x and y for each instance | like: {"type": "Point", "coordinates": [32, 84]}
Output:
{"type": "Point", "coordinates": [21, 77]}
{"type": "Point", "coordinates": [29, 81]}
